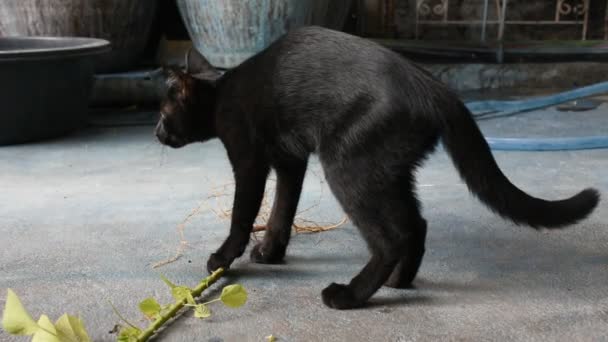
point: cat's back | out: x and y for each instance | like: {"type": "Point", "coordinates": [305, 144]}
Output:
{"type": "Point", "coordinates": [323, 42]}
{"type": "Point", "coordinates": [317, 51]}
{"type": "Point", "coordinates": [317, 55]}
{"type": "Point", "coordinates": [314, 60]}
{"type": "Point", "coordinates": [317, 65]}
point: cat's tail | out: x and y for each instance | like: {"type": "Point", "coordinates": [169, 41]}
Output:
{"type": "Point", "coordinates": [471, 154]}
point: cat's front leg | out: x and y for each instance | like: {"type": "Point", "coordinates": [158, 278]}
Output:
{"type": "Point", "coordinates": [289, 186]}
{"type": "Point", "coordinates": [250, 180]}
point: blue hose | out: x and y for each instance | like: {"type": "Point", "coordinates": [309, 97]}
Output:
{"type": "Point", "coordinates": [504, 108]}
{"type": "Point", "coordinates": [548, 144]}
{"type": "Point", "coordinates": [495, 109]}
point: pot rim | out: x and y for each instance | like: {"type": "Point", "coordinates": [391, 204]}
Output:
{"type": "Point", "coordinates": [68, 47]}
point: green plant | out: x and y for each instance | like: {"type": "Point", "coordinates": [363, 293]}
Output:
{"type": "Point", "coordinates": [17, 321]}
{"type": "Point", "coordinates": [232, 296]}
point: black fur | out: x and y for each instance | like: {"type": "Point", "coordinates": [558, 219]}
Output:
{"type": "Point", "coordinates": [372, 117]}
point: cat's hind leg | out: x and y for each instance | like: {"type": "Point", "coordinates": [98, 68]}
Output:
{"type": "Point", "coordinates": [289, 186]}
{"type": "Point", "coordinates": [404, 273]}
{"type": "Point", "coordinates": [385, 211]}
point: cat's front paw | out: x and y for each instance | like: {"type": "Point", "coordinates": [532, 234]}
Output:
{"type": "Point", "coordinates": [338, 296]}
{"type": "Point", "coordinates": [216, 261]}
{"type": "Point", "coordinates": [261, 255]}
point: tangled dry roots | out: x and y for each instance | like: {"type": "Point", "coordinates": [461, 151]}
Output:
{"type": "Point", "coordinates": [218, 203]}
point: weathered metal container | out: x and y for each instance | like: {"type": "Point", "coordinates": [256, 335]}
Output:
{"type": "Point", "coordinates": [229, 31]}
{"type": "Point", "coordinates": [125, 23]}
{"type": "Point", "coordinates": [45, 85]}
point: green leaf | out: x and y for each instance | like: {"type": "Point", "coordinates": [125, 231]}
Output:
{"type": "Point", "coordinates": [15, 319]}
{"type": "Point", "coordinates": [150, 308]}
{"type": "Point", "coordinates": [201, 311]}
{"type": "Point", "coordinates": [234, 295]}
{"type": "Point", "coordinates": [168, 282]}
{"type": "Point", "coordinates": [271, 338]}
{"type": "Point", "coordinates": [71, 328]}
{"type": "Point", "coordinates": [182, 292]}
{"type": "Point", "coordinates": [179, 292]}
{"type": "Point", "coordinates": [128, 334]}
{"type": "Point", "coordinates": [44, 336]}
{"type": "Point", "coordinates": [47, 331]}
{"type": "Point", "coordinates": [45, 323]}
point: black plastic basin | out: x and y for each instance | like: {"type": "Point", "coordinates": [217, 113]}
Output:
{"type": "Point", "coordinates": [44, 85]}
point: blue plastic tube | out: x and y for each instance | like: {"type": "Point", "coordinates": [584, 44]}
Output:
{"type": "Point", "coordinates": [495, 109]}
{"type": "Point", "coordinates": [548, 144]}
{"type": "Point", "coordinates": [480, 108]}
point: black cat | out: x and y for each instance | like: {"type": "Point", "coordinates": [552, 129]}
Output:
{"type": "Point", "coordinates": [372, 117]}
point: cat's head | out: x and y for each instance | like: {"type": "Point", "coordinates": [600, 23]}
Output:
{"type": "Point", "coordinates": [186, 112]}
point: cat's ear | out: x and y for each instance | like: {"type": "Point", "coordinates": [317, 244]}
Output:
{"type": "Point", "coordinates": [199, 67]}
{"type": "Point", "coordinates": [174, 76]}
{"type": "Point", "coordinates": [178, 81]}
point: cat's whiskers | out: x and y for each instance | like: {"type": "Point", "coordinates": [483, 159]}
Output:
{"type": "Point", "coordinates": [163, 155]}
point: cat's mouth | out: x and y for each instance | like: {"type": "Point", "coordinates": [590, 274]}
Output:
{"type": "Point", "coordinates": [171, 141]}
{"type": "Point", "coordinates": [168, 139]}
{"type": "Point", "coordinates": [175, 143]}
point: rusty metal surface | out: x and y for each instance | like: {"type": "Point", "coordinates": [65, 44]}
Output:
{"type": "Point", "coordinates": [125, 23]}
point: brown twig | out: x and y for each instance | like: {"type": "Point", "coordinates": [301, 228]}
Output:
{"type": "Point", "coordinates": [183, 243]}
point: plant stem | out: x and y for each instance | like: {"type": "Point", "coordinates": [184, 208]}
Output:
{"type": "Point", "coordinates": [174, 308]}
{"type": "Point", "coordinates": [212, 301]}
{"type": "Point", "coordinates": [120, 316]}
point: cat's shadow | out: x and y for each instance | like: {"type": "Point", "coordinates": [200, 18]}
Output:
{"type": "Point", "coordinates": [324, 259]}
{"type": "Point", "coordinates": [268, 272]}
{"type": "Point", "coordinates": [423, 292]}
{"type": "Point", "coordinates": [446, 286]}
{"type": "Point", "coordinates": [385, 304]}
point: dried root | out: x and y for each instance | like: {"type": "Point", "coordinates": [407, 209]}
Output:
{"type": "Point", "coordinates": [218, 204]}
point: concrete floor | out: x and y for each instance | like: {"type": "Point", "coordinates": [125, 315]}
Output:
{"type": "Point", "coordinates": [82, 219]}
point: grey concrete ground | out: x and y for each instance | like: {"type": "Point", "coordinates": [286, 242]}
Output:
{"type": "Point", "coordinates": [82, 219]}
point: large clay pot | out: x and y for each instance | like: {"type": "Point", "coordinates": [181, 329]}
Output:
{"type": "Point", "coordinates": [125, 23]}
{"type": "Point", "coordinates": [229, 31]}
